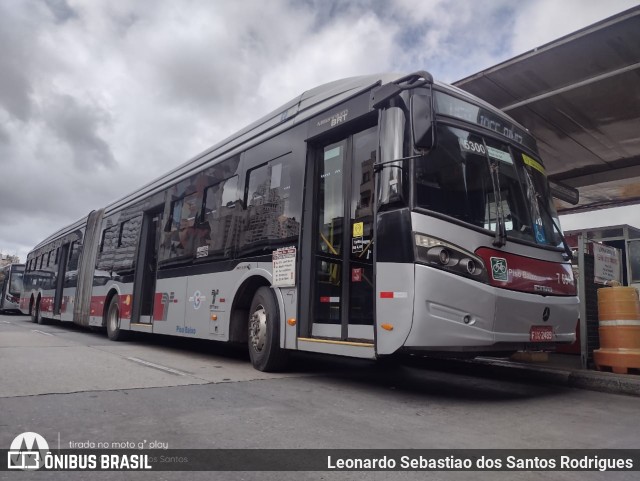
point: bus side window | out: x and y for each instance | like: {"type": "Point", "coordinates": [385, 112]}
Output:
{"type": "Point", "coordinates": [219, 223]}
{"type": "Point", "coordinates": [269, 221]}
{"type": "Point", "coordinates": [179, 233]}
{"type": "Point", "coordinates": [124, 257]}
{"type": "Point", "coordinates": [107, 248]}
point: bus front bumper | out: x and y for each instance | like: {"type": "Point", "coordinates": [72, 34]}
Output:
{"type": "Point", "coordinates": [453, 313]}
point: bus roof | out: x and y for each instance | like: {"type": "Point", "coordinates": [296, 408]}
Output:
{"type": "Point", "coordinates": [294, 112]}
{"type": "Point", "coordinates": [297, 110]}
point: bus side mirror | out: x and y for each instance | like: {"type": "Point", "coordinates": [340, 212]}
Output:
{"type": "Point", "coordinates": [564, 192]}
{"type": "Point", "coordinates": [422, 121]}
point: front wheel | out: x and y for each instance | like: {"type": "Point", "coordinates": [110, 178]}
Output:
{"type": "Point", "coordinates": [113, 321]}
{"type": "Point", "coordinates": [264, 333]}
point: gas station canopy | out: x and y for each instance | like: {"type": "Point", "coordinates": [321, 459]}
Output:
{"type": "Point", "coordinates": [580, 97]}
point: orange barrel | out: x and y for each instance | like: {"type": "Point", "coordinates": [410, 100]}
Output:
{"type": "Point", "coordinates": [618, 303]}
{"type": "Point", "coordinates": [619, 316]}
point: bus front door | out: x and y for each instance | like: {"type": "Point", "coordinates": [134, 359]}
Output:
{"type": "Point", "coordinates": [343, 290]}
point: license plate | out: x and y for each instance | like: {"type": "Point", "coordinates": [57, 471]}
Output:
{"type": "Point", "coordinates": [541, 333]}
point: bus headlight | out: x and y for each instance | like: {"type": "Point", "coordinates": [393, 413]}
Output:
{"type": "Point", "coordinates": [450, 257]}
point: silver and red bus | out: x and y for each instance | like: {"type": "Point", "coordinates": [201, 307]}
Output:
{"type": "Point", "coordinates": [11, 287]}
{"type": "Point", "coordinates": [368, 216]}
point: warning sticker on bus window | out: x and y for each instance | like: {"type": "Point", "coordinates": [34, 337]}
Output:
{"type": "Point", "coordinates": [284, 267]}
{"type": "Point", "coordinates": [499, 155]}
{"type": "Point", "coordinates": [357, 245]}
{"type": "Point", "coordinates": [533, 163]}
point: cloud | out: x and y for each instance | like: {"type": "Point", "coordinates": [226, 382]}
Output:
{"type": "Point", "coordinates": [78, 126]}
{"type": "Point", "coordinates": [98, 98]}
{"type": "Point", "coordinates": [17, 60]}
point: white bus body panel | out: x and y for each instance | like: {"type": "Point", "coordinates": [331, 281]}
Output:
{"type": "Point", "coordinates": [497, 315]}
{"type": "Point", "coordinates": [397, 310]}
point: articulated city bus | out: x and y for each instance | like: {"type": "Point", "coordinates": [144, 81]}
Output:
{"type": "Point", "coordinates": [11, 287]}
{"type": "Point", "coordinates": [367, 216]}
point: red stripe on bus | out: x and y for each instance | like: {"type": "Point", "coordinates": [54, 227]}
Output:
{"type": "Point", "coordinates": [386, 295]}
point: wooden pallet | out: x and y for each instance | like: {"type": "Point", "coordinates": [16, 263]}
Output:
{"type": "Point", "coordinates": [618, 361]}
{"type": "Point", "coordinates": [618, 369]}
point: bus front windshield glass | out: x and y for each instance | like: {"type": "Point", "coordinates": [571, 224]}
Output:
{"type": "Point", "coordinates": [479, 180]}
{"type": "Point", "coordinates": [15, 286]}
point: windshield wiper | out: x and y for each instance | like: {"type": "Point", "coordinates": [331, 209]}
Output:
{"type": "Point", "coordinates": [500, 237]}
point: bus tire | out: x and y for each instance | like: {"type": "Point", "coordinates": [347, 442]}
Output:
{"type": "Point", "coordinates": [35, 312]}
{"type": "Point", "coordinates": [264, 333]}
{"type": "Point", "coordinates": [114, 332]}
{"type": "Point", "coordinates": [41, 320]}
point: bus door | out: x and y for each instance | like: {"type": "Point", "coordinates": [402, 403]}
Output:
{"type": "Point", "coordinates": [146, 267]}
{"type": "Point", "coordinates": [4, 283]}
{"type": "Point", "coordinates": [343, 291]}
{"type": "Point", "coordinates": [63, 257]}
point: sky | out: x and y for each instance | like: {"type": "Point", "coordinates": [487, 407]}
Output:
{"type": "Point", "coordinates": [98, 97]}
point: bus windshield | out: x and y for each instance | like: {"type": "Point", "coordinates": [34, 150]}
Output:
{"type": "Point", "coordinates": [15, 285]}
{"type": "Point", "coordinates": [480, 181]}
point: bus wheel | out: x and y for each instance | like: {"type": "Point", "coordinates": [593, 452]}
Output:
{"type": "Point", "coordinates": [41, 320]}
{"type": "Point", "coordinates": [113, 321]}
{"type": "Point", "coordinates": [35, 313]}
{"type": "Point", "coordinates": [264, 333]}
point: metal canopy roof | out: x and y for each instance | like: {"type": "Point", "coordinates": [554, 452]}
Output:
{"type": "Point", "coordinates": [580, 97]}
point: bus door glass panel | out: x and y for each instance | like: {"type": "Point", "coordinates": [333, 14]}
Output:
{"type": "Point", "coordinates": [145, 273]}
{"type": "Point", "coordinates": [361, 289]}
{"type": "Point", "coordinates": [62, 257]}
{"type": "Point", "coordinates": [4, 274]}
{"type": "Point", "coordinates": [330, 220]}
{"type": "Point", "coordinates": [71, 276]}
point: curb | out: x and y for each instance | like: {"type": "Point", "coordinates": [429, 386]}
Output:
{"type": "Point", "coordinates": [579, 379]}
{"type": "Point", "coordinates": [514, 371]}
{"type": "Point", "coordinates": [605, 382]}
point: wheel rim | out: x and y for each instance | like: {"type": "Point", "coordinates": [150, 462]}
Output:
{"type": "Point", "coordinates": [258, 328]}
{"type": "Point", "coordinates": [113, 319]}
